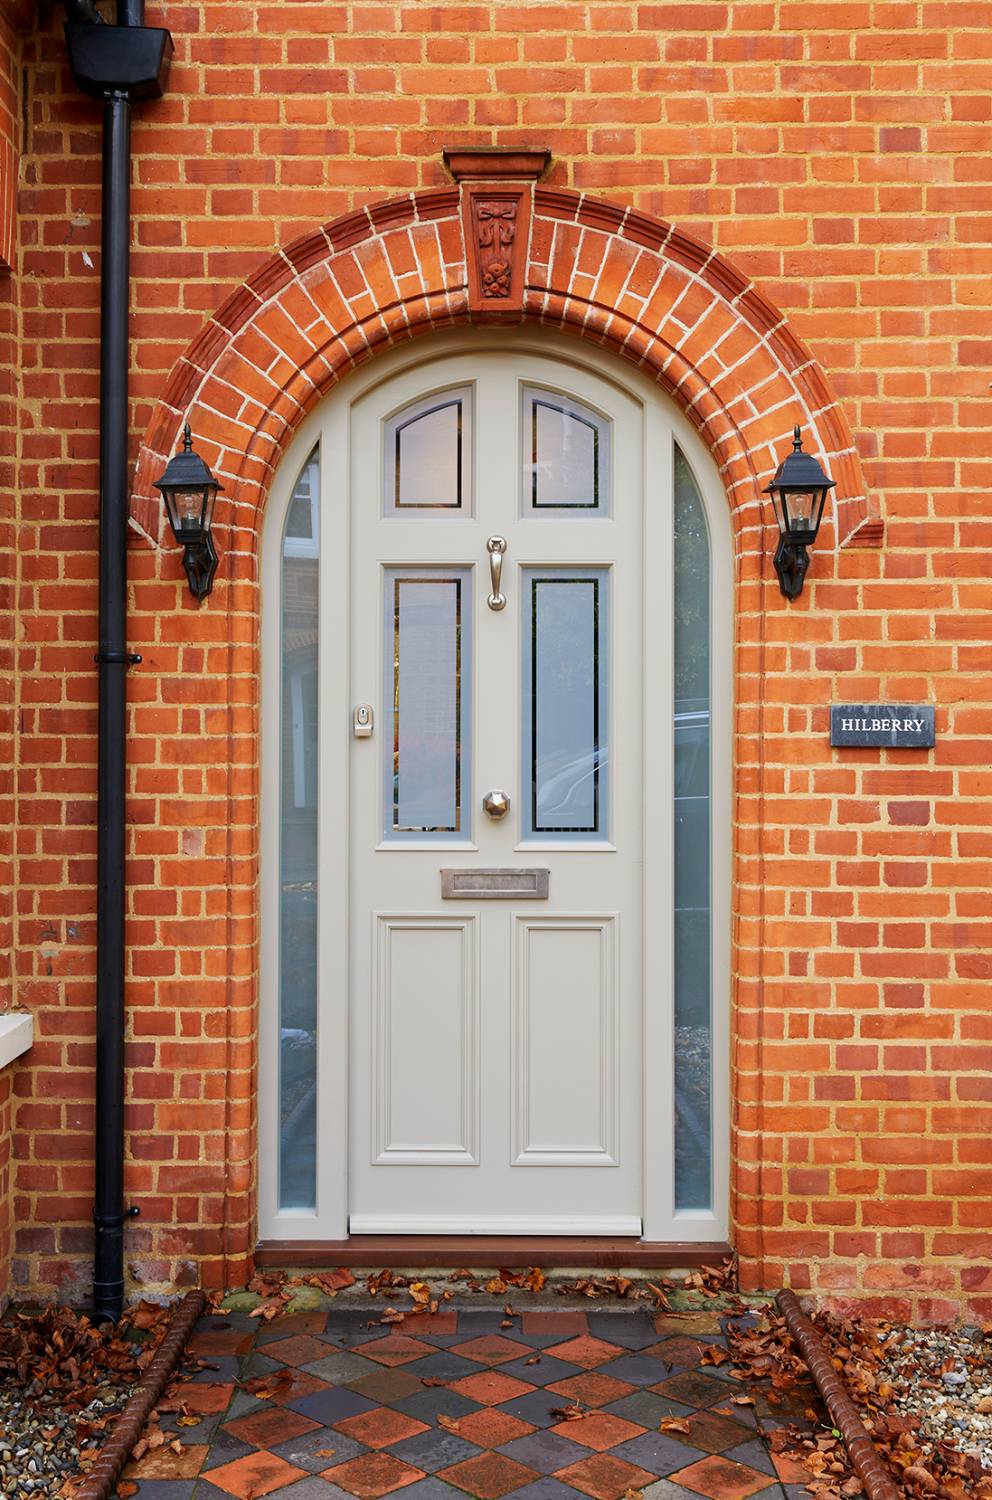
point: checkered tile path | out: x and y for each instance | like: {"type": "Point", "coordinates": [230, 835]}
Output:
{"type": "Point", "coordinates": [458, 1406]}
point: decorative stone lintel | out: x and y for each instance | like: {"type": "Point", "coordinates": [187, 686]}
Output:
{"type": "Point", "coordinates": [496, 163]}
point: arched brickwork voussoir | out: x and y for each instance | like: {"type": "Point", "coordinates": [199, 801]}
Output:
{"type": "Point", "coordinates": [398, 268]}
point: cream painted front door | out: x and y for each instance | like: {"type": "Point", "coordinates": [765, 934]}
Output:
{"type": "Point", "coordinates": [496, 1039]}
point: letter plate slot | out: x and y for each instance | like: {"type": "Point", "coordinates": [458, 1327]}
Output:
{"type": "Point", "coordinates": [495, 885]}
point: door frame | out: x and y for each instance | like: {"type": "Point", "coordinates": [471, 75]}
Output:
{"type": "Point", "coordinates": [329, 424]}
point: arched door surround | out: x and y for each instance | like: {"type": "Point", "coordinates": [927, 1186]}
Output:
{"type": "Point", "coordinates": [311, 314]}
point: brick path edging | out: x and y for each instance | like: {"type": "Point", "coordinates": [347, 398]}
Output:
{"type": "Point", "coordinates": [102, 1478]}
{"type": "Point", "coordinates": [843, 1412]}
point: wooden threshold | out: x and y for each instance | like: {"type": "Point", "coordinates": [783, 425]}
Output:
{"type": "Point", "coordinates": [489, 1250]}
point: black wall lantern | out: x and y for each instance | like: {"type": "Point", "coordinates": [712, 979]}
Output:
{"type": "Point", "coordinates": [189, 491]}
{"type": "Point", "coordinates": [799, 492]}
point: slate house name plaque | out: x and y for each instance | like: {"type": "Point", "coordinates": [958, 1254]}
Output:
{"type": "Point", "coordinates": [896, 726]}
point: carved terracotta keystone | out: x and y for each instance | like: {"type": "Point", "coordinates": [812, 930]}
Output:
{"type": "Point", "coordinates": [497, 201]}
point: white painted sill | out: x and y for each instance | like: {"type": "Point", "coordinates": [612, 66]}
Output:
{"type": "Point", "coordinates": [16, 1035]}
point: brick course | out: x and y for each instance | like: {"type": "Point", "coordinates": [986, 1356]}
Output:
{"type": "Point", "coordinates": [837, 158]}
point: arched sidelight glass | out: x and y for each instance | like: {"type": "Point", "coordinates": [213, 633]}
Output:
{"type": "Point", "coordinates": [692, 882]}
{"type": "Point", "coordinates": [298, 880]}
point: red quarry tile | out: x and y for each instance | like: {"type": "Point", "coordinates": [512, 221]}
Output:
{"type": "Point", "coordinates": [591, 1389]}
{"type": "Point", "coordinates": [301, 1349]}
{"type": "Point", "coordinates": [585, 1351]}
{"type": "Point", "coordinates": [292, 1390]}
{"type": "Point", "coordinates": [394, 1349]}
{"type": "Point", "coordinates": [255, 1475]}
{"type": "Point", "coordinates": [271, 1426]}
{"type": "Point", "coordinates": [380, 1428]}
{"type": "Point", "coordinates": [683, 1352]}
{"type": "Point", "coordinates": [600, 1430]}
{"type": "Point", "coordinates": [387, 1385]}
{"type": "Point", "coordinates": [682, 1323]}
{"type": "Point", "coordinates": [720, 1479]}
{"type": "Point", "coordinates": [372, 1475]}
{"type": "Point", "coordinates": [491, 1429]}
{"type": "Point", "coordinates": [220, 1341]}
{"type": "Point", "coordinates": [693, 1388]}
{"type": "Point", "coordinates": [490, 1388]}
{"type": "Point", "coordinates": [303, 1322]}
{"type": "Point", "coordinates": [488, 1476]}
{"type": "Point", "coordinates": [604, 1477]}
{"type": "Point", "coordinates": [789, 1472]}
{"type": "Point", "coordinates": [163, 1463]}
{"type": "Point", "coordinates": [491, 1350]}
{"type": "Point", "coordinates": [443, 1321]}
{"type": "Point", "coordinates": [568, 1323]}
{"type": "Point", "coordinates": [712, 1433]}
{"type": "Point", "coordinates": [204, 1397]}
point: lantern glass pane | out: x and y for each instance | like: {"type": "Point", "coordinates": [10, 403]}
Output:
{"type": "Point", "coordinates": [188, 508]}
{"type": "Point", "coordinates": [799, 504]}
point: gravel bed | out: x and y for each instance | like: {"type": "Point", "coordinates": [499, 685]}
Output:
{"type": "Point", "coordinates": [63, 1381]}
{"type": "Point", "coordinates": [43, 1442]}
{"type": "Point", "coordinates": [942, 1378]}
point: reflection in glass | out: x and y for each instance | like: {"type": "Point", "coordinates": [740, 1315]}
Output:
{"type": "Point", "coordinates": [566, 718]}
{"type": "Point", "coordinates": [426, 454]}
{"type": "Point", "coordinates": [426, 747]}
{"type": "Point", "coordinates": [693, 1012]}
{"type": "Point", "coordinates": [567, 464]}
{"type": "Point", "coordinates": [298, 849]}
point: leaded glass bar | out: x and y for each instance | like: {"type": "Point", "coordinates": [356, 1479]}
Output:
{"type": "Point", "coordinates": [693, 980]}
{"type": "Point", "coordinates": [298, 847]}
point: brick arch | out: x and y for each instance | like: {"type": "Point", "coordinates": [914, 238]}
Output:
{"type": "Point", "coordinates": [397, 269]}
{"type": "Point", "coordinates": [311, 314]}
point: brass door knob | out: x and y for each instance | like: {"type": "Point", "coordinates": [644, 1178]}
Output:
{"type": "Point", "coordinates": [496, 804]}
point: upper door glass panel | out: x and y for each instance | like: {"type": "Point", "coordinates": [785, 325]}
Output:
{"type": "Point", "coordinates": [427, 456]}
{"type": "Point", "coordinates": [566, 460]}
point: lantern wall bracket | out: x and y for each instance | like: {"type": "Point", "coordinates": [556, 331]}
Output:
{"type": "Point", "coordinates": [200, 562]}
{"type": "Point", "coordinates": [791, 562]}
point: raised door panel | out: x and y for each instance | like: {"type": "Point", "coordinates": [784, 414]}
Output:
{"type": "Point", "coordinates": [565, 1082]}
{"type": "Point", "coordinates": [425, 1041]}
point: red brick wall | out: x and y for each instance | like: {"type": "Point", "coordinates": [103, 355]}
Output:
{"type": "Point", "coordinates": [835, 154]}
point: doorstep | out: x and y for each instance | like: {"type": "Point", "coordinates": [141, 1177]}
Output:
{"type": "Point", "coordinates": [438, 1250]}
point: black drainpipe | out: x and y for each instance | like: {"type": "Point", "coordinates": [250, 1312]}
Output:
{"type": "Point", "coordinates": [116, 64]}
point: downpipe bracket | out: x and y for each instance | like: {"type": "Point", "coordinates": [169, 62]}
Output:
{"type": "Point", "coordinates": [117, 658]}
{"type": "Point", "coordinates": [115, 1221]}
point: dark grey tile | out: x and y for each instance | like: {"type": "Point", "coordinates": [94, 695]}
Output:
{"type": "Point", "coordinates": [636, 1369]}
{"type": "Point", "coordinates": [545, 1372]}
{"type": "Point", "coordinates": [547, 1452]}
{"type": "Point", "coordinates": [428, 1405]}
{"type": "Point", "coordinates": [667, 1489]}
{"type": "Point", "coordinates": [551, 1489]}
{"type": "Point", "coordinates": [258, 1363]}
{"type": "Point", "coordinates": [165, 1489]}
{"type": "Point", "coordinates": [242, 1404]}
{"type": "Point", "coordinates": [434, 1489]}
{"type": "Point", "coordinates": [312, 1451]}
{"type": "Point", "coordinates": [535, 1407]}
{"type": "Point", "coordinates": [341, 1367]}
{"type": "Point", "coordinates": [634, 1330]}
{"type": "Point", "coordinates": [475, 1321]}
{"type": "Point", "coordinates": [224, 1449]}
{"type": "Point", "coordinates": [313, 1488]}
{"type": "Point", "coordinates": [331, 1405]}
{"type": "Point", "coordinates": [442, 1366]}
{"type": "Point", "coordinates": [753, 1453]}
{"type": "Point", "coordinates": [647, 1408]}
{"type": "Point", "coordinates": [657, 1453]}
{"type": "Point", "coordinates": [434, 1449]}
